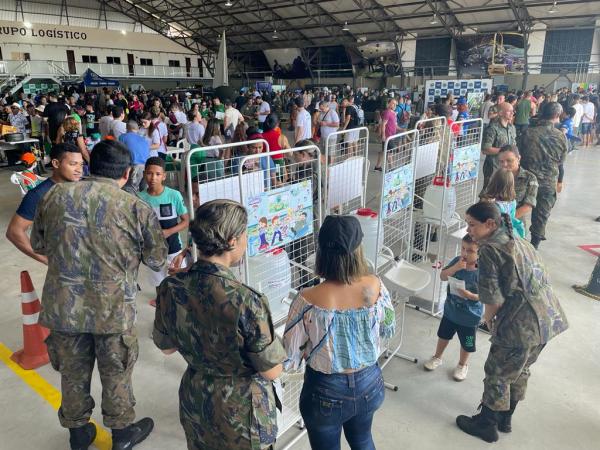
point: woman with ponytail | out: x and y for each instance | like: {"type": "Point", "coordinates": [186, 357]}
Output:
{"type": "Point", "coordinates": [521, 310]}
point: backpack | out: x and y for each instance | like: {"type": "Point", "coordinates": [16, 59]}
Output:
{"type": "Point", "coordinates": [405, 116]}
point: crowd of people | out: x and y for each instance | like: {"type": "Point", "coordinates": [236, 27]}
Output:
{"type": "Point", "coordinates": [104, 147]}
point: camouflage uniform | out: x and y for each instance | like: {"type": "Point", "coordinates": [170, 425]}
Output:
{"type": "Point", "coordinates": [95, 236]}
{"type": "Point", "coordinates": [495, 135]}
{"type": "Point", "coordinates": [544, 150]}
{"type": "Point", "coordinates": [526, 188]}
{"type": "Point", "coordinates": [223, 329]}
{"type": "Point", "coordinates": [511, 274]}
{"type": "Point", "coordinates": [248, 111]}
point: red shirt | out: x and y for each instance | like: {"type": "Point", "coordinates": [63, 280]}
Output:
{"type": "Point", "coordinates": [272, 137]}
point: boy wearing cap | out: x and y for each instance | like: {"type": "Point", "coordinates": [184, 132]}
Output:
{"type": "Point", "coordinates": [30, 179]}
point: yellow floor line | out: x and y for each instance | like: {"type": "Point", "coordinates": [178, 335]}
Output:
{"type": "Point", "coordinates": [49, 393]}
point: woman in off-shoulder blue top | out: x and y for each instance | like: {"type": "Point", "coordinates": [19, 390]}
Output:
{"type": "Point", "coordinates": [337, 327]}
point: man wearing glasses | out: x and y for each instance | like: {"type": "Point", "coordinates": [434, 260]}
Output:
{"type": "Point", "coordinates": [499, 133]}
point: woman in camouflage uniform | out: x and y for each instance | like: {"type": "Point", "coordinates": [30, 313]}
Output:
{"type": "Point", "coordinates": [223, 329]}
{"type": "Point", "coordinates": [521, 310]}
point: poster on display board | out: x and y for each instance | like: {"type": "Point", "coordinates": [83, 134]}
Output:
{"type": "Point", "coordinates": [397, 190]}
{"type": "Point", "coordinates": [457, 88]}
{"type": "Point", "coordinates": [279, 216]}
{"type": "Point", "coordinates": [465, 163]}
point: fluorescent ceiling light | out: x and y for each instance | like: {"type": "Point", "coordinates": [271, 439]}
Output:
{"type": "Point", "coordinates": [228, 3]}
{"type": "Point", "coordinates": [346, 26]}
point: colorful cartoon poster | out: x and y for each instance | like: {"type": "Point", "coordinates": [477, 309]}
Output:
{"type": "Point", "coordinates": [279, 216]}
{"type": "Point", "coordinates": [465, 163]}
{"type": "Point", "coordinates": [398, 190]}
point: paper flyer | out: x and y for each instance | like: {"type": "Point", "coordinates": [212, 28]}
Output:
{"type": "Point", "coordinates": [455, 285]}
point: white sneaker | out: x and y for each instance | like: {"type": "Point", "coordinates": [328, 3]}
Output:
{"type": "Point", "coordinates": [460, 373]}
{"type": "Point", "coordinates": [433, 363]}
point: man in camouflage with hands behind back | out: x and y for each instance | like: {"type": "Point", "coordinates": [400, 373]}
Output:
{"type": "Point", "coordinates": [95, 235]}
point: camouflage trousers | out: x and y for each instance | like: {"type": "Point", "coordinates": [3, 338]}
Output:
{"type": "Point", "coordinates": [506, 375]}
{"type": "Point", "coordinates": [74, 356]}
{"type": "Point", "coordinates": [546, 198]}
{"type": "Point", "coordinates": [489, 167]}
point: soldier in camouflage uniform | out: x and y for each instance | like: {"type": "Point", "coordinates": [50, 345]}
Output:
{"type": "Point", "coordinates": [223, 329]}
{"type": "Point", "coordinates": [522, 311]}
{"type": "Point", "coordinates": [526, 184]}
{"type": "Point", "coordinates": [497, 134]}
{"type": "Point", "coordinates": [249, 111]}
{"type": "Point", "coordinates": [95, 235]}
{"type": "Point", "coordinates": [544, 151]}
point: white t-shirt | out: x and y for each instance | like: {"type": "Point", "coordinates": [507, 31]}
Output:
{"type": "Point", "coordinates": [485, 109]}
{"type": "Point", "coordinates": [329, 116]}
{"type": "Point", "coordinates": [233, 117]}
{"type": "Point", "coordinates": [162, 133]}
{"type": "Point", "coordinates": [578, 114]}
{"type": "Point", "coordinates": [181, 117]}
{"type": "Point", "coordinates": [303, 121]}
{"type": "Point", "coordinates": [152, 140]}
{"type": "Point", "coordinates": [104, 125]}
{"type": "Point", "coordinates": [588, 110]}
{"type": "Point", "coordinates": [117, 128]}
{"type": "Point", "coordinates": [263, 111]}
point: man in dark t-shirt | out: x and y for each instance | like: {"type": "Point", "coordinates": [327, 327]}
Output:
{"type": "Point", "coordinates": [67, 163]}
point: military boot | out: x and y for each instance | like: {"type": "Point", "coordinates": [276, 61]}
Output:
{"type": "Point", "coordinates": [505, 417]}
{"type": "Point", "coordinates": [482, 425]}
{"type": "Point", "coordinates": [132, 435]}
{"type": "Point", "coordinates": [82, 437]}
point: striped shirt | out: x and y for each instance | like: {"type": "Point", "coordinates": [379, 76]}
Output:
{"type": "Point", "coordinates": [335, 341]}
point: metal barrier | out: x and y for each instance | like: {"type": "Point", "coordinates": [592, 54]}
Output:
{"type": "Point", "coordinates": [284, 218]}
{"type": "Point", "coordinates": [346, 170]}
{"type": "Point", "coordinates": [465, 147]}
{"type": "Point", "coordinates": [211, 177]}
{"type": "Point", "coordinates": [438, 224]}
{"type": "Point", "coordinates": [393, 238]}
{"type": "Point", "coordinates": [394, 229]}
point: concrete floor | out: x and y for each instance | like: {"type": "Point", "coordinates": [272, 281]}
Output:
{"type": "Point", "coordinates": [562, 410]}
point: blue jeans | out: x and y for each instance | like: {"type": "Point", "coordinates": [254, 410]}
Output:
{"type": "Point", "coordinates": [329, 403]}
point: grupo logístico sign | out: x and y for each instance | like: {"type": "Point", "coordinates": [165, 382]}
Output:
{"type": "Point", "coordinates": [49, 32]}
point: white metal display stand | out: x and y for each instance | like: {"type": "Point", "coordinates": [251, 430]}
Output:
{"type": "Point", "coordinates": [440, 226]}
{"type": "Point", "coordinates": [346, 170]}
{"type": "Point", "coordinates": [289, 240]}
{"type": "Point", "coordinates": [394, 231]}
{"type": "Point", "coordinates": [212, 178]}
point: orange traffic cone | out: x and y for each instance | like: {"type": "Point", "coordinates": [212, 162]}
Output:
{"type": "Point", "coordinates": [34, 353]}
